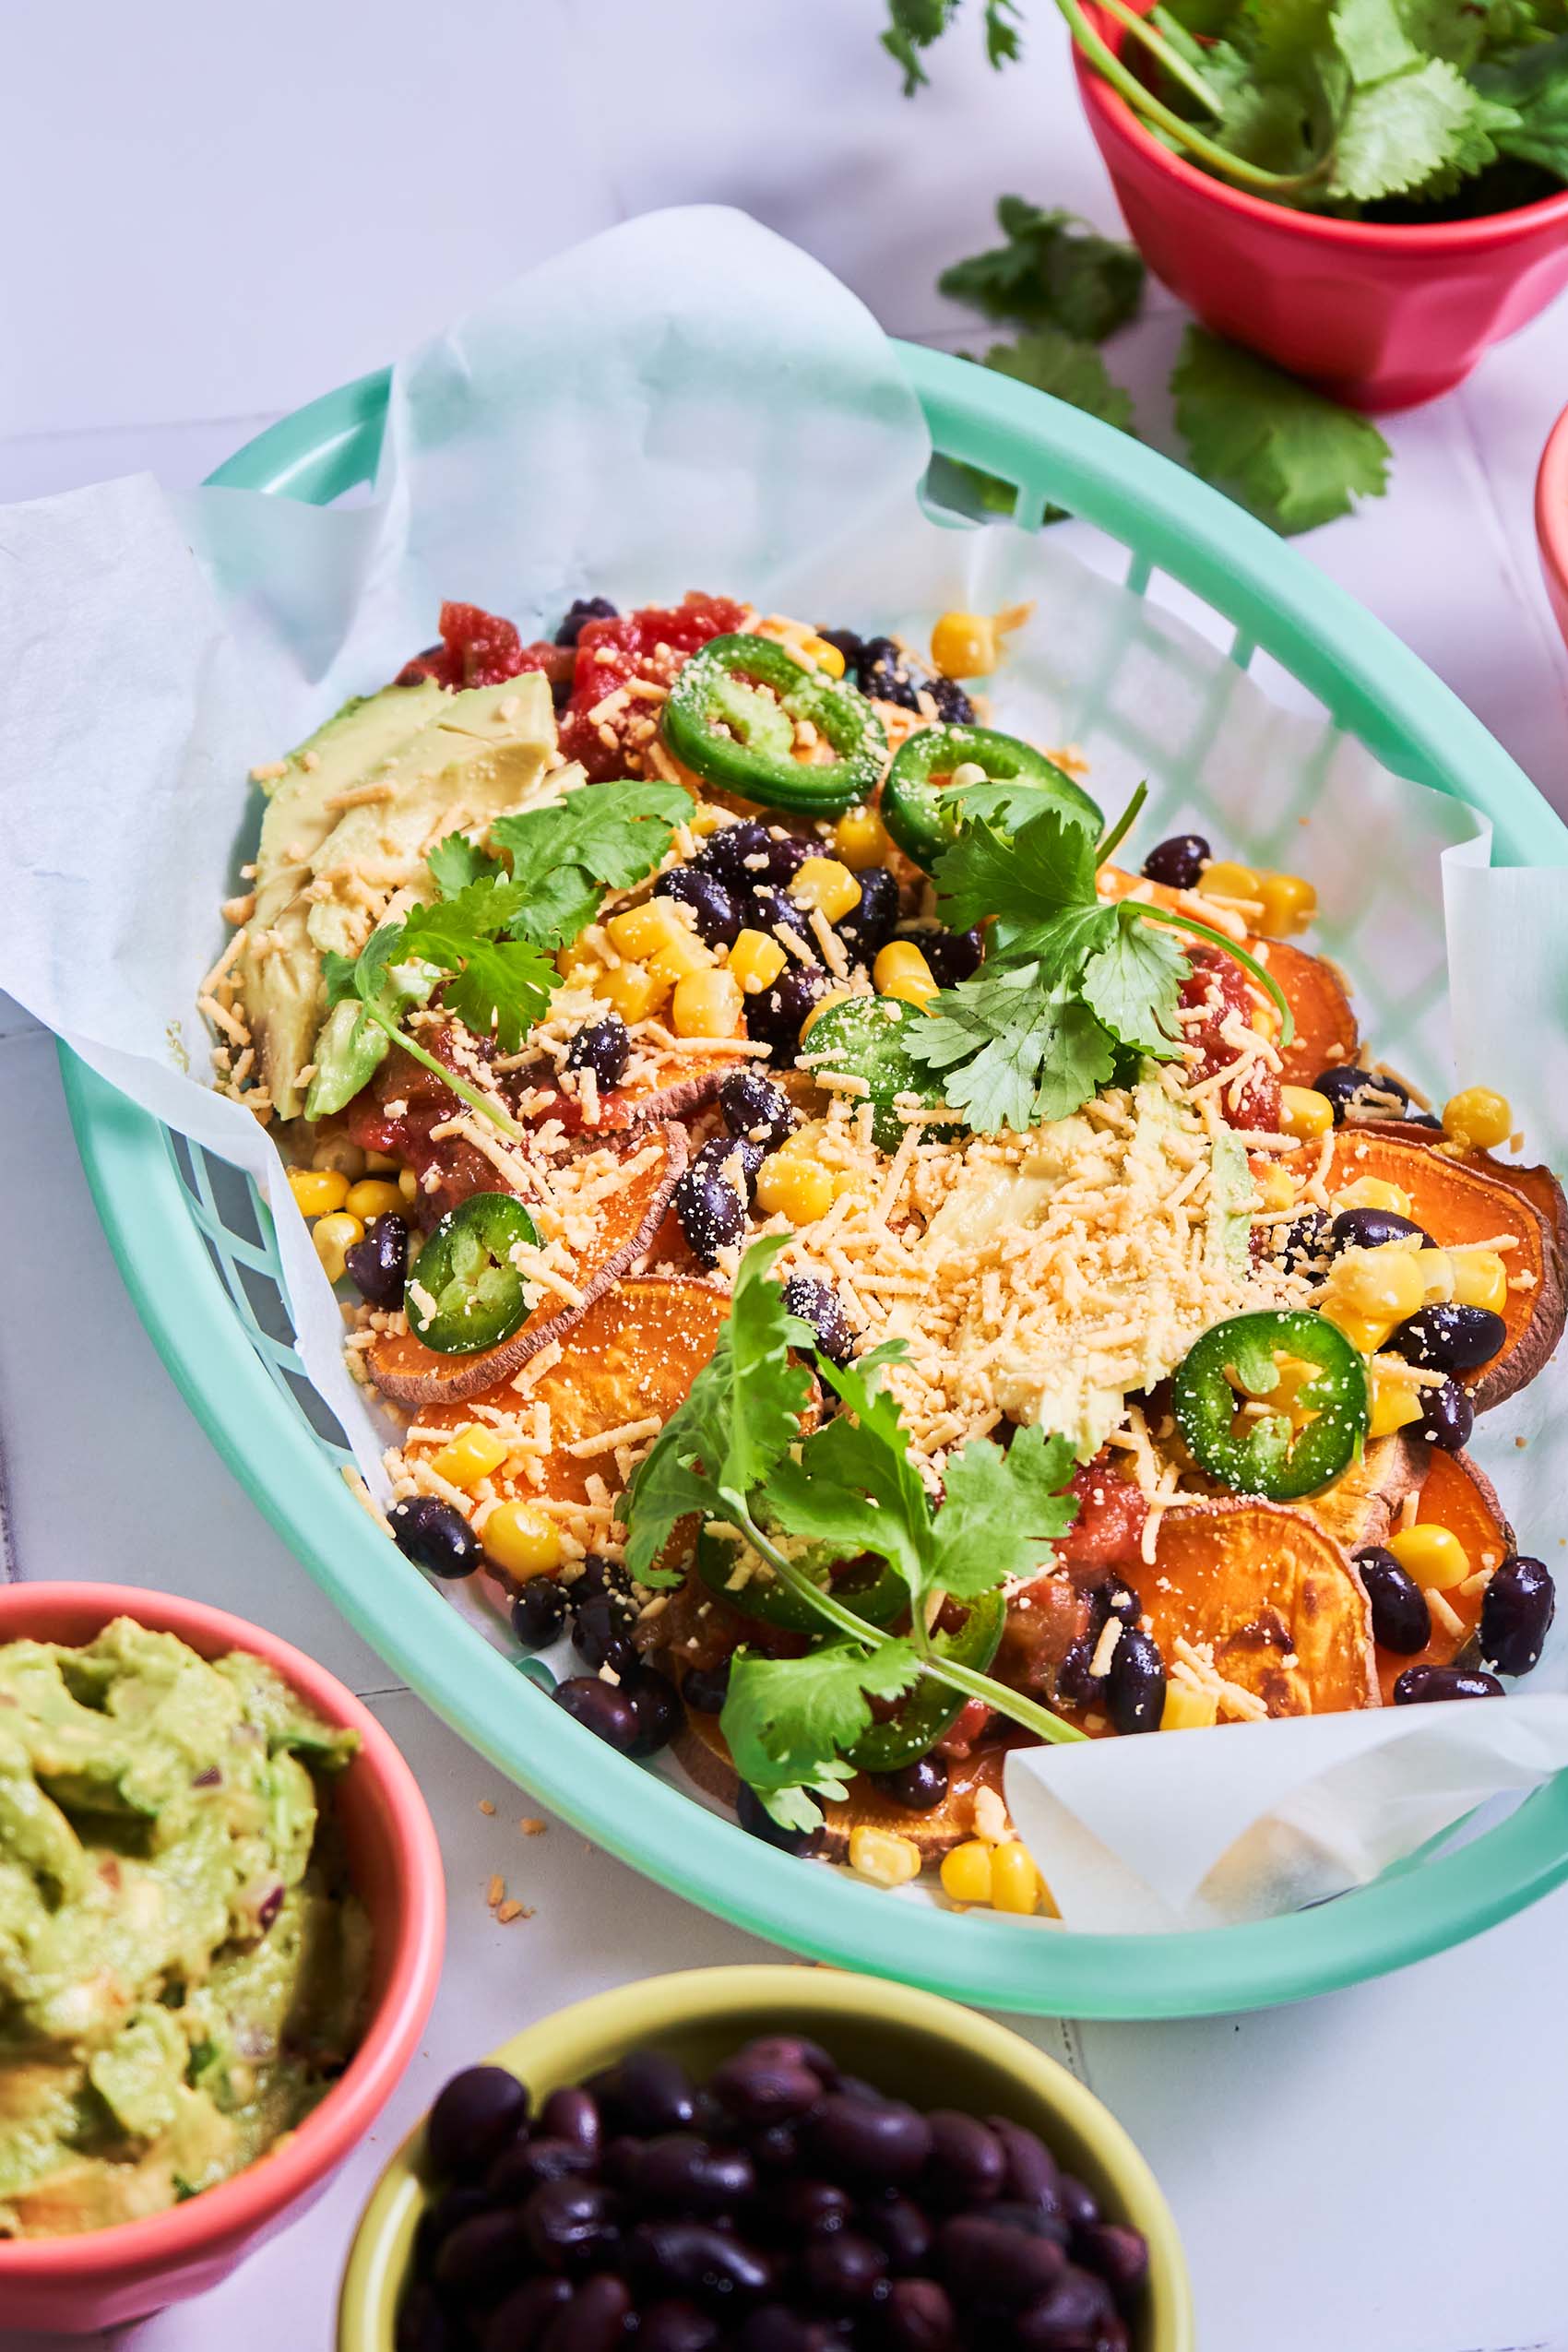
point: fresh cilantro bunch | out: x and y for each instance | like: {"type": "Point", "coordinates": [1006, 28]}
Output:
{"type": "Point", "coordinates": [1051, 270]}
{"type": "Point", "coordinates": [1072, 989]}
{"type": "Point", "coordinates": [735, 1451]}
{"type": "Point", "coordinates": [488, 939]}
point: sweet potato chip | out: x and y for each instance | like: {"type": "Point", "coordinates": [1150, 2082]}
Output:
{"type": "Point", "coordinates": [1273, 1599]}
{"type": "Point", "coordinates": [677, 1086]}
{"type": "Point", "coordinates": [1360, 1507]}
{"type": "Point", "coordinates": [1460, 1204]}
{"type": "Point", "coordinates": [1327, 1034]}
{"type": "Point", "coordinates": [401, 1366]}
{"type": "Point", "coordinates": [1458, 1496]}
{"type": "Point", "coordinates": [1537, 1184]}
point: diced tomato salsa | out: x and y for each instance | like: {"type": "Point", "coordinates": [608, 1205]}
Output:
{"type": "Point", "coordinates": [1218, 987]}
{"type": "Point", "coordinates": [649, 646]}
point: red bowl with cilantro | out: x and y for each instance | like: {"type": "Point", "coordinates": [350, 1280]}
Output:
{"type": "Point", "coordinates": [1381, 316]}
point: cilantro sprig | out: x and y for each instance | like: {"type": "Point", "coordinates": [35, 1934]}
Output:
{"type": "Point", "coordinates": [1070, 984]}
{"type": "Point", "coordinates": [735, 1451]}
{"type": "Point", "coordinates": [488, 938]}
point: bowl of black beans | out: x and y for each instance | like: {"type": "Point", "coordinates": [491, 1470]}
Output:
{"type": "Point", "coordinates": [767, 2159]}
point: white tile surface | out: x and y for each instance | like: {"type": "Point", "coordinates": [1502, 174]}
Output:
{"type": "Point", "coordinates": [247, 211]}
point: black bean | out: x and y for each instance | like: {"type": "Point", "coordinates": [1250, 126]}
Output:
{"type": "Point", "coordinates": [732, 1158]}
{"type": "Point", "coordinates": [711, 1212]}
{"type": "Point", "coordinates": [571, 2114]}
{"type": "Point", "coordinates": [776, 2147]}
{"type": "Point", "coordinates": [752, 1107]}
{"type": "Point", "coordinates": [772, 907]}
{"type": "Point", "coordinates": [1135, 1687]}
{"type": "Point", "coordinates": [985, 2262]}
{"type": "Point", "coordinates": [758, 2090]}
{"type": "Point", "coordinates": [919, 1788]}
{"type": "Point", "coordinates": [440, 2217]}
{"type": "Point", "coordinates": [1304, 1242]}
{"type": "Point", "coordinates": [678, 2173]}
{"type": "Point", "coordinates": [593, 2320]}
{"type": "Point", "coordinates": [1179, 862]}
{"type": "Point", "coordinates": [657, 1703]}
{"type": "Point", "coordinates": [599, 1636]}
{"type": "Point", "coordinates": [567, 2221]}
{"type": "Point", "coordinates": [887, 675]}
{"type": "Point", "coordinates": [1079, 2203]}
{"type": "Point", "coordinates": [647, 2092]}
{"type": "Point", "coordinates": [423, 2325]}
{"type": "Point", "coordinates": [844, 2271]}
{"type": "Point", "coordinates": [1114, 1598]}
{"type": "Point", "coordinates": [712, 902]}
{"type": "Point", "coordinates": [528, 2164]}
{"type": "Point", "coordinates": [755, 1819]}
{"type": "Point", "coordinates": [1401, 1621]}
{"type": "Point", "coordinates": [539, 1612]}
{"type": "Point", "coordinates": [953, 704]}
{"type": "Point", "coordinates": [1374, 1228]}
{"type": "Point", "coordinates": [953, 956]}
{"type": "Point", "coordinates": [969, 2165]}
{"type": "Point", "coordinates": [869, 926]}
{"type": "Point", "coordinates": [774, 1014]}
{"type": "Point", "coordinates": [473, 2118]}
{"type": "Point", "coordinates": [601, 1709]}
{"type": "Point", "coordinates": [481, 2253]}
{"type": "Point", "coordinates": [1034, 2219]}
{"type": "Point", "coordinates": [1449, 1337]}
{"type": "Point", "coordinates": [879, 2142]}
{"type": "Point", "coordinates": [582, 610]}
{"type": "Point", "coordinates": [900, 2229]}
{"type": "Point", "coordinates": [919, 2317]}
{"type": "Point", "coordinates": [1118, 2255]}
{"type": "Point", "coordinates": [1419, 1684]}
{"type": "Point", "coordinates": [705, 1687]}
{"type": "Point", "coordinates": [1074, 1685]}
{"type": "Point", "coordinates": [379, 1266]}
{"type": "Point", "coordinates": [602, 1047]}
{"type": "Point", "coordinates": [1516, 1613]}
{"type": "Point", "coordinates": [796, 2049]}
{"type": "Point", "coordinates": [1033, 2176]}
{"type": "Point", "coordinates": [775, 2328]}
{"type": "Point", "coordinates": [1364, 1093]}
{"type": "Point", "coordinates": [1072, 2314]}
{"type": "Point", "coordinates": [676, 2325]}
{"type": "Point", "coordinates": [434, 1536]}
{"type": "Point", "coordinates": [602, 1576]}
{"type": "Point", "coordinates": [1447, 1416]}
{"type": "Point", "coordinates": [810, 2208]}
{"type": "Point", "coordinates": [516, 2323]}
{"type": "Point", "coordinates": [851, 646]}
{"type": "Point", "coordinates": [726, 854]}
{"type": "Point", "coordinates": [787, 853]}
{"type": "Point", "coordinates": [819, 1304]}
{"type": "Point", "coordinates": [694, 2258]}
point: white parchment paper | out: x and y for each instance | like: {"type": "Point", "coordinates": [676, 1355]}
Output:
{"type": "Point", "coordinates": [688, 402]}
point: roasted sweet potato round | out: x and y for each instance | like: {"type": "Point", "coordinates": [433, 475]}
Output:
{"type": "Point", "coordinates": [1458, 1496]}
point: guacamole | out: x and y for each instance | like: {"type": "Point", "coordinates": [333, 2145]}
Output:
{"type": "Point", "coordinates": [181, 1969]}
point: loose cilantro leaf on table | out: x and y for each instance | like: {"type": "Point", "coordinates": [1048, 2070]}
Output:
{"type": "Point", "coordinates": [913, 25]}
{"type": "Point", "coordinates": [1294, 457]}
{"type": "Point", "coordinates": [1053, 270]}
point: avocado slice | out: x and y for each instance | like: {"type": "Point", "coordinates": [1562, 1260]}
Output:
{"type": "Point", "coordinates": [282, 978]}
{"type": "Point", "coordinates": [482, 753]}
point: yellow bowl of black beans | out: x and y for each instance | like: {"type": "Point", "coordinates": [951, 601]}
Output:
{"type": "Point", "coordinates": [767, 2159]}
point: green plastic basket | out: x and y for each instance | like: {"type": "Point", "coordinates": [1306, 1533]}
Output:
{"type": "Point", "coordinates": [195, 1246]}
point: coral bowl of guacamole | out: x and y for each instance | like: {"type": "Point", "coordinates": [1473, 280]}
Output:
{"type": "Point", "coordinates": [221, 1928]}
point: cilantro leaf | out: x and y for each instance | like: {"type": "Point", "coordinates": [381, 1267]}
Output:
{"type": "Point", "coordinates": [1057, 363]}
{"type": "Point", "coordinates": [563, 857]}
{"type": "Point", "coordinates": [740, 1418]}
{"type": "Point", "coordinates": [1531, 84]}
{"type": "Point", "coordinates": [1053, 270]}
{"type": "Point", "coordinates": [913, 25]}
{"type": "Point", "coordinates": [457, 862]}
{"type": "Point", "coordinates": [1131, 983]}
{"type": "Point", "coordinates": [1371, 37]}
{"type": "Point", "coordinates": [498, 986]}
{"type": "Point", "coordinates": [1399, 132]}
{"type": "Point", "coordinates": [788, 1720]}
{"type": "Point", "coordinates": [1012, 1054]}
{"type": "Point", "coordinates": [1001, 1513]}
{"type": "Point", "coordinates": [1021, 879]}
{"type": "Point", "coordinates": [1296, 458]}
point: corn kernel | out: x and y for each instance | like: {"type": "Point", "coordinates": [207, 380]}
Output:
{"type": "Point", "coordinates": [1433, 1555]}
{"type": "Point", "coordinates": [471, 1455]}
{"type": "Point", "coordinates": [860, 840]}
{"type": "Point", "coordinates": [1383, 1284]}
{"type": "Point", "coordinates": [334, 1236]}
{"type": "Point", "coordinates": [318, 1191]}
{"type": "Point", "coordinates": [643, 931]}
{"type": "Point", "coordinates": [823, 882]}
{"type": "Point", "coordinates": [1372, 1191]}
{"type": "Point", "coordinates": [965, 1873]}
{"type": "Point", "coordinates": [705, 820]}
{"type": "Point", "coordinates": [1304, 1113]}
{"type": "Point", "coordinates": [1186, 1709]}
{"type": "Point", "coordinates": [798, 1190]}
{"type": "Point", "coordinates": [686, 953]}
{"type": "Point", "coordinates": [1477, 1119]}
{"type": "Point", "coordinates": [826, 657]}
{"type": "Point", "coordinates": [1016, 1883]}
{"type": "Point", "coordinates": [1274, 1189]}
{"type": "Point", "coordinates": [633, 990]}
{"type": "Point", "coordinates": [882, 1857]}
{"type": "Point", "coordinates": [963, 644]}
{"type": "Point", "coordinates": [833, 996]}
{"type": "Point", "coordinates": [1266, 1022]}
{"type": "Point", "coordinates": [1436, 1269]}
{"type": "Point", "coordinates": [755, 961]}
{"type": "Point", "coordinates": [407, 1186]}
{"type": "Point", "coordinates": [1364, 1334]}
{"type": "Point", "coordinates": [1394, 1405]}
{"type": "Point", "coordinates": [522, 1540]}
{"type": "Point", "coordinates": [578, 965]}
{"type": "Point", "coordinates": [901, 970]}
{"type": "Point", "coordinates": [705, 1005]}
{"type": "Point", "coordinates": [373, 1196]}
{"type": "Point", "coordinates": [1223, 879]}
{"type": "Point", "coordinates": [1481, 1279]}
{"type": "Point", "coordinates": [1288, 904]}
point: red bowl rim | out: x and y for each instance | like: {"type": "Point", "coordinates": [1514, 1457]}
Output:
{"type": "Point", "coordinates": [237, 2208]}
{"type": "Point", "coordinates": [1552, 506]}
{"type": "Point", "coordinates": [1368, 238]}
